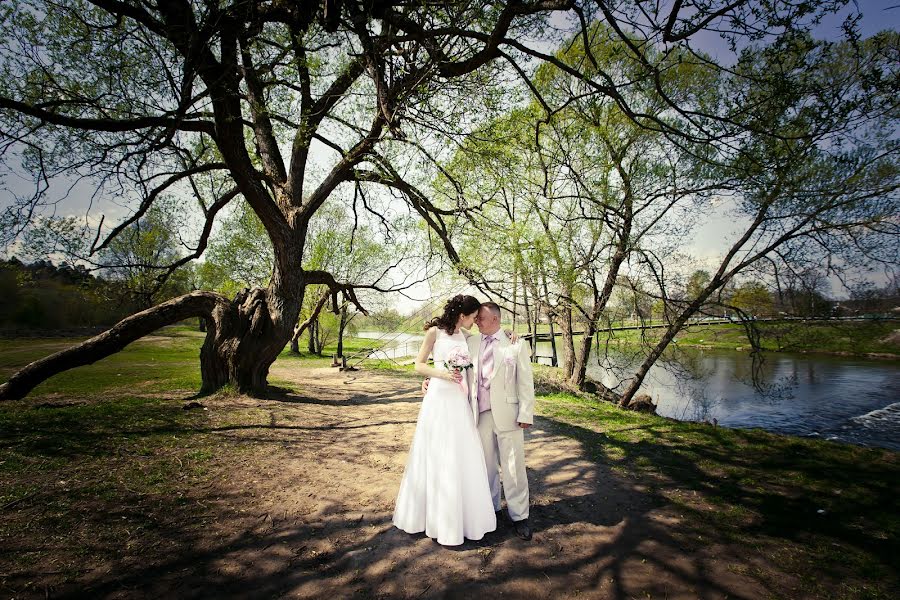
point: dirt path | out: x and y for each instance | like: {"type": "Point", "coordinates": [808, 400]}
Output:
{"type": "Point", "coordinates": [307, 514]}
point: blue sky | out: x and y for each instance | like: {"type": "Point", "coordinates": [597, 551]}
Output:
{"type": "Point", "coordinates": [877, 15]}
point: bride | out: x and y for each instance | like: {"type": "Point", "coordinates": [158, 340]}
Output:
{"type": "Point", "coordinates": [445, 490]}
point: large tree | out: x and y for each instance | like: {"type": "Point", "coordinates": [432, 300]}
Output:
{"type": "Point", "coordinates": [279, 103]}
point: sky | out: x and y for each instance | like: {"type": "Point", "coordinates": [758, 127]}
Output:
{"type": "Point", "coordinates": [877, 15]}
{"type": "Point", "coordinates": [707, 242]}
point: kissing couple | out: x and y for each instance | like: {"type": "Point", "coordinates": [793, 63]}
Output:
{"type": "Point", "coordinates": [470, 431]}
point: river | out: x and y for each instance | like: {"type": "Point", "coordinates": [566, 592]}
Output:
{"type": "Point", "coordinates": [836, 398]}
{"type": "Point", "coordinates": [393, 345]}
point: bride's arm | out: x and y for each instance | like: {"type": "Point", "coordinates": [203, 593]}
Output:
{"type": "Point", "coordinates": [421, 364]}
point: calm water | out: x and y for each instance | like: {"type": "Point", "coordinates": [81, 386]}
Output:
{"type": "Point", "coordinates": [837, 398]}
{"type": "Point", "coordinates": [393, 345]}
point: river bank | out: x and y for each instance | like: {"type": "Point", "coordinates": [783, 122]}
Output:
{"type": "Point", "coordinates": [870, 339]}
{"type": "Point", "coordinates": [110, 488]}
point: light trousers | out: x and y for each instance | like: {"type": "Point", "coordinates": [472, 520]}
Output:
{"type": "Point", "coordinates": [504, 455]}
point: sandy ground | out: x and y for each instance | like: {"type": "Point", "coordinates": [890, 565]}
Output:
{"type": "Point", "coordinates": [307, 514]}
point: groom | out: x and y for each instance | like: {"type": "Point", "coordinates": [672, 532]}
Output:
{"type": "Point", "coordinates": [501, 391]}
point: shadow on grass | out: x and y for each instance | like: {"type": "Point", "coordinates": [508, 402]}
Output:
{"type": "Point", "coordinates": [597, 516]}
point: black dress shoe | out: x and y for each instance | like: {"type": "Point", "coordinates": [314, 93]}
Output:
{"type": "Point", "coordinates": [523, 530]}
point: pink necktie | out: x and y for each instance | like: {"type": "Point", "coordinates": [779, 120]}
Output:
{"type": "Point", "coordinates": [487, 362]}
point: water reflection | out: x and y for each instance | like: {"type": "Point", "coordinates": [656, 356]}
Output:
{"type": "Point", "coordinates": [392, 345]}
{"type": "Point", "coordinates": [834, 397]}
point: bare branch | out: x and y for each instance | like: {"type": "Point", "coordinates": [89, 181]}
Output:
{"type": "Point", "coordinates": [109, 125]}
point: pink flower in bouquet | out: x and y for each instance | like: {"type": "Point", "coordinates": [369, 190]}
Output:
{"type": "Point", "coordinates": [458, 359]}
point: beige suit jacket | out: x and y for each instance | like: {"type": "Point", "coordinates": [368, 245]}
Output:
{"type": "Point", "coordinates": [512, 384]}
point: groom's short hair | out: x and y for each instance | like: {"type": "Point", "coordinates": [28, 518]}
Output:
{"type": "Point", "coordinates": [493, 307]}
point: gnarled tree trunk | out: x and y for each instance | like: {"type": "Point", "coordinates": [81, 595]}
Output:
{"type": "Point", "coordinates": [245, 339]}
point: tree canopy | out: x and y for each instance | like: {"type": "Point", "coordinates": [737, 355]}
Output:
{"type": "Point", "coordinates": [286, 106]}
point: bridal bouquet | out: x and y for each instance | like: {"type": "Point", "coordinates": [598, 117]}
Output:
{"type": "Point", "coordinates": [459, 360]}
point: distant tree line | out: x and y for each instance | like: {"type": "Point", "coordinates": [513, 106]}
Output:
{"type": "Point", "coordinates": [804, 295]}
{"type": "Point", "coordinates": [41, 296]}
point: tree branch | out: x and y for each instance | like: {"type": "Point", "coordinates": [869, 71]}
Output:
{"type": "Point", "coordinates": [109, 125]}
{"type": "Point", "coordinates": [148, 201]}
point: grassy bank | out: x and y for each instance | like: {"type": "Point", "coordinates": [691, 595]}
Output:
{"type": "Point", "coordinates": [846, 338]}
{"type": "Point", "coordinates": [104, 460]}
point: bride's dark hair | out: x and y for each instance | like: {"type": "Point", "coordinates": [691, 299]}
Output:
{"type": "Point", "coordinates": [456, 306]}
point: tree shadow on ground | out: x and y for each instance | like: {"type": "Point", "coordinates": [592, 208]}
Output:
{"type": "Point", "coordinates": [290, 396]}
{"type": "Point", "coordinates": [595, 531]}
{"type": "Point", "coordinates": [602, 508]}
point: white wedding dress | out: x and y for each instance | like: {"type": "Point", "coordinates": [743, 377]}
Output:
{"type": "Point", "coordinates": [445, 490]}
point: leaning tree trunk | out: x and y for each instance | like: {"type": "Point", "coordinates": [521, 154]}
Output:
{"type": "Point", "coordinates": [243, 338]}
{"type": "Point", "coordinates": [651, 358]}
{"type": "Point", "coordinates": [202, 304]}
{"type": "Point", "coordinates": [673, 329]}
{"type": "Point", "coordinates": [298, 331]}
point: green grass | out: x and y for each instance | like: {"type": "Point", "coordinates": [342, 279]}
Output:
{"type": "Point", "coordinates": [757, 489]}
{"type": "Point", "coordinates": [95, 474]}
{"type": "Point", "coordinates": [851, 338]}
{"type": "Point", "coordinates": [168, 360]}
